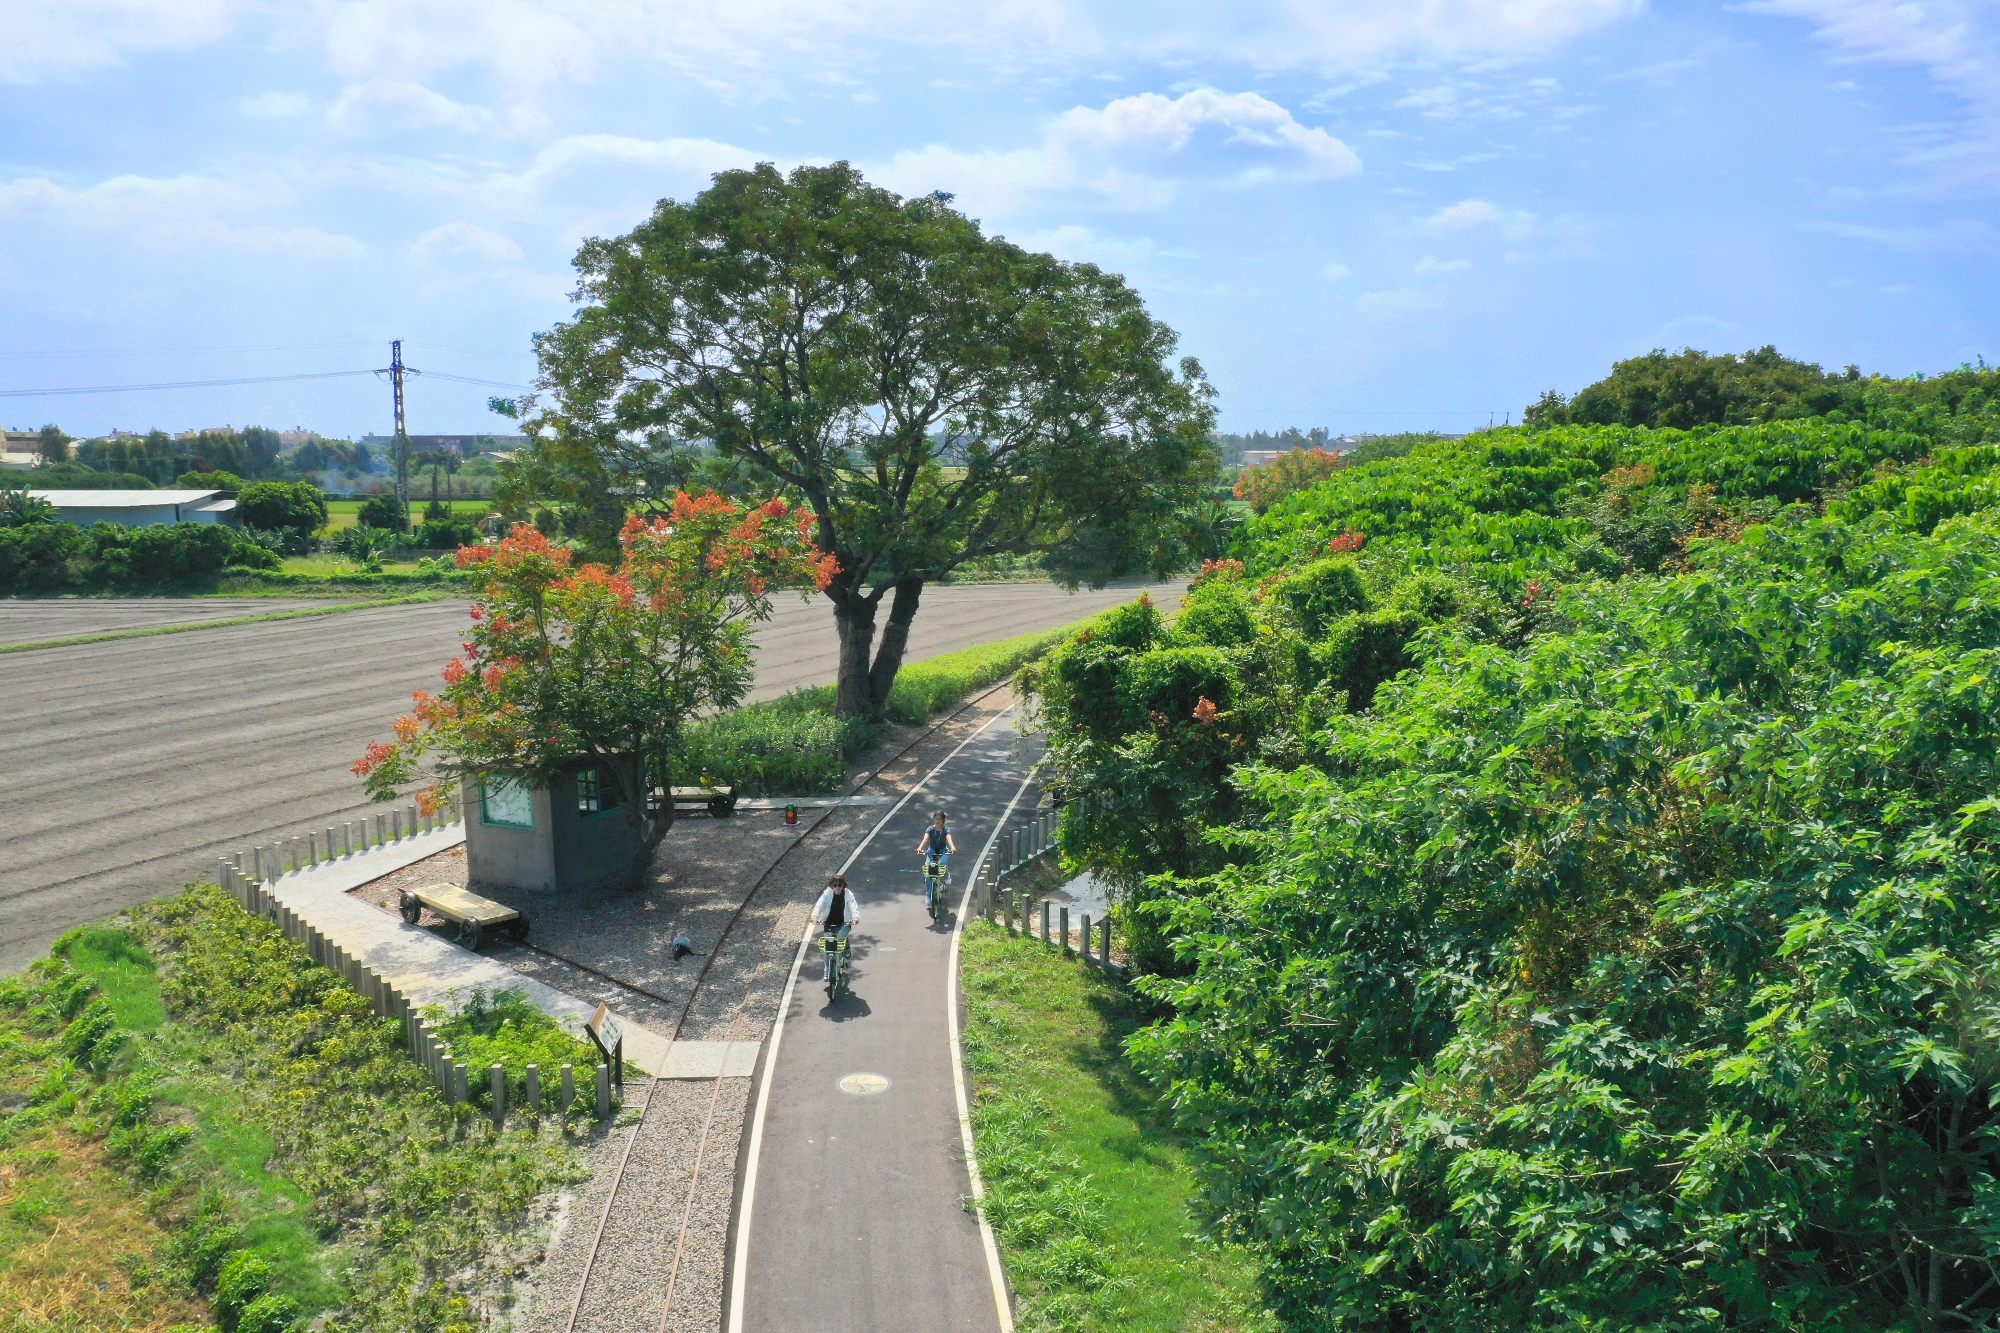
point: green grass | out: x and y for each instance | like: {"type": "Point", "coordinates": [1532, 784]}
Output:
{"type": "Point", "coordinates": [151, 630]}
{"type": "Point", "coordinates": [1088, 1181]}
{"type": "Point", "coordinates": [188, 1092]}
{"type": "Point", "coordinates": [343, 513]}
{"type": "Point", "coordinates": [927, 687]}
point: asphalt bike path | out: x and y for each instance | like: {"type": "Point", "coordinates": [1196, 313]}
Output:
{"type": "Point", "coordinates": [853, 1210]}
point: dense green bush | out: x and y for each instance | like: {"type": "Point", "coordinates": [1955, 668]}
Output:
{"type": "Point", "coordinates": [1643, 972]}
{"type": "Point", "coordinates": [447, 534]}
{"type": "Point", "coordinates": [789, 746]}
{"type": "Point", "coordinates": [380, 511]}
{"type": "Point", "coordinates": [506, 1029]}
{"type": "Point", "coordinates": [46, 557]}
{"type": "Point", "coordinates": [280, 506]}
{"type": "Point", "coordinates": [1580, 914]}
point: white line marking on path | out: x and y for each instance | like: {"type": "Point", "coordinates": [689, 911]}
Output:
{"type": "Point", "coordinates": [740, 1269]}
{"type": "Point", "coordinates": [993, 1268]}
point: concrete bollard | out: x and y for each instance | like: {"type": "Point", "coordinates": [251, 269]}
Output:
{"type": "Point", "coordinates": [1084, 935]}
{"type": "Point", "coordinates": [1065, 931]}
{"type": "Point", "coordinates": [533, 1095]}
{"type": "Point", "coordinates": [347, 838]}
{"type": "Point", "coordinates": [496, 1082]}
{"type": "Point", "coordinates": [396, 823]}
{"type": "Point", "coordinates": [603, 1092]}
{"type": "Point", "coordinates": [1104, 949]}
{"type": "Point", "coordinates": [411, 810]}
{"type": "Point", "coordinates": [1045, 920]}
{"type": "Point", "coordinates": [462, 1080]}
{"type": "Point", "coordinates": [329, 842]}
{"type": "Point", "coordinates": [567, 1093]}
{"type": "Point", "coordinates": [312, 849]}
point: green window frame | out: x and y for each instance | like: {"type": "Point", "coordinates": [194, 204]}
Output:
{"type": "Point", "coordinates": [594, 795]}
{"type": "Point", "coordinates": [506, 803]}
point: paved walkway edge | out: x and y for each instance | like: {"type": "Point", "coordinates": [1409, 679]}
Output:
{"type": "Point", "coordinates": [431, 970]}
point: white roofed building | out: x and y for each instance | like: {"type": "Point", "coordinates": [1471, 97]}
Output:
{"type": "Point", "coordinates": [139, 509]}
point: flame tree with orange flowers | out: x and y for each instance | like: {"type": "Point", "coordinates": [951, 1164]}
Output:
{"type": "Point", "coordinates": [567, 662]}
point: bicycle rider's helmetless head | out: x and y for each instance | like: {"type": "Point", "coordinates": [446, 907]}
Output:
{"type": "Point", "coordinates": [938, 819]}
{"type": "Point", "coordinates": [836, 882]}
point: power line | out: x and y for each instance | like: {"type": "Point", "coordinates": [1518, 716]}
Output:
{"type": "Point", "coordinates": [252, 379]}
{"type": "Point", "coordinates": [173, 351]}
{"type": "Point", "coordinates": [185, 384]}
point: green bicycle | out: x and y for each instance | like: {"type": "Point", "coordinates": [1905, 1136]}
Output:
{"type": "Point", "coordinates": [937, 875]}
{"type": "Point", "coordinates": [834, 946]}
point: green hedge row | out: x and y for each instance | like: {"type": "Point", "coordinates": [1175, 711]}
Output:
{"type": "Point", "coordinates": [50, 557]}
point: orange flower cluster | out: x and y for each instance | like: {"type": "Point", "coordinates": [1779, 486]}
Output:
{"type": "Point", "coordinates": [1218, 569]}
{"type": "Point", "coordinates": [1348, 541]}
{"type": "Point", "coordinates": [1205, 711]}
{"type": "Point", "coordinates": [373, 755]}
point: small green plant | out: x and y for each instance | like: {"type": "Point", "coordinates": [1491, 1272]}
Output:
{"type": "Point", "coordinates": [506, 1029]}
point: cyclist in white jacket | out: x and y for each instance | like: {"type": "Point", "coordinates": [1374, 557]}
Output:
{"type": "Point", "coordinates": [835, 913]}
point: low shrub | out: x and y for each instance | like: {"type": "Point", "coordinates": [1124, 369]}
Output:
{"type": "Point", "coordinates": [789, 746]}
{"type": "Point", "coordinates": [506, 1029]}
{"type": "Point", "coordinates": [47, 557]}
{"type": "Point", "coordinates": [923, 688]}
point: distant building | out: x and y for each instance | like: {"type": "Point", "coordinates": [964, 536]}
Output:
{"type": "Point", "coordinates": [20, 448]}
{"type": "Point", "coordinates": [140, 509]}
{"type": "Point", "coordinates": [197, 434]}
{"type": "Point", "coordinates": [296, 436]}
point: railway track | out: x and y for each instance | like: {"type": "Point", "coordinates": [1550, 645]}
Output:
{"type": "Point", "coordinates": [611, 1200]}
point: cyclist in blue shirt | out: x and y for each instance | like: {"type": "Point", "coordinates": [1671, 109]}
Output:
{"type": "Point", "coordinates": [936, 844]}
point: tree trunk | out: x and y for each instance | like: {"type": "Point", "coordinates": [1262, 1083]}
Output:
{"type": "Point", "coordinates": [854, 617]}
{"type": "Point", "coordinates": [647, 830]}
{"type": "Point", "coordinates": [895, 638]}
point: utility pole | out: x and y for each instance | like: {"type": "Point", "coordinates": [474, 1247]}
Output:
{"type": "Point", "coordinates": [402, 436]}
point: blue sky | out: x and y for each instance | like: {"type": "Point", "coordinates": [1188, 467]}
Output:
{"type": "Point", "coordinates": [1360, 216]}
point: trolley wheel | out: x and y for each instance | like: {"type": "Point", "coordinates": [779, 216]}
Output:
{"type": "Point", "coordinates": [721, 807]}
{"type": "Point", "coordinates": [518, 928]}
{"type": "Point", "coordinates": [471, 933]}
{"type": "Point", "coordinates": [410, 907]}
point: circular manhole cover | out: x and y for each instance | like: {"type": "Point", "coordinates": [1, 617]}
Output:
{"type": "Point", "coordinates": [864, 1085]}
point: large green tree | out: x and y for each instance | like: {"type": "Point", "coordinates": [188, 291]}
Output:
{"type": "Point", "coordinates": [934, 394]}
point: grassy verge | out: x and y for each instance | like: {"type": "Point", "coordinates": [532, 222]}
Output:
{"type": "Point", "coordinates": [797, 746]}
{"type": "Point", "coordinates": [1088, 1181]}
{"type": "Point", "coordinates": [240, 1133]}
{"type": "Point", "coordinates": [150, 630]}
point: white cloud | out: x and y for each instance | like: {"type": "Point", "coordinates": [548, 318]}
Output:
{"type": "Point", "coordinates": [52, 39]}
{"type": "Point", "coordinates": [276, 106]}
{"type": "Point", "coordinates": [1957, 40]}
{"type": "Point", "coordinates": [1397, 301]}
{"type": "Point", "coordinates": [180, 212]}
{"type": "Point", "coordinates": [1432, 264]}
{"type": "Point", "coordinates": [1958, 236]}
{"type": "Point", "coordinates": [466, 239]}
{"type": "Point", "coordinates": [533, 42]}
{"type": "Point", "coordinates": [1471, 214]}
{"type": "Point", "coordinates": [401, 105]}
{"type": "Point", "coordinates": [1126, 151]}
{"type": "Point", "coordinates": [1337, 271]}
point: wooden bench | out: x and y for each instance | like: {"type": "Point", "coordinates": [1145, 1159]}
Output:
{"type": "Point", "coordinates": [720, 802]}
{"type": "Point", "coordinates": [473, 914]}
